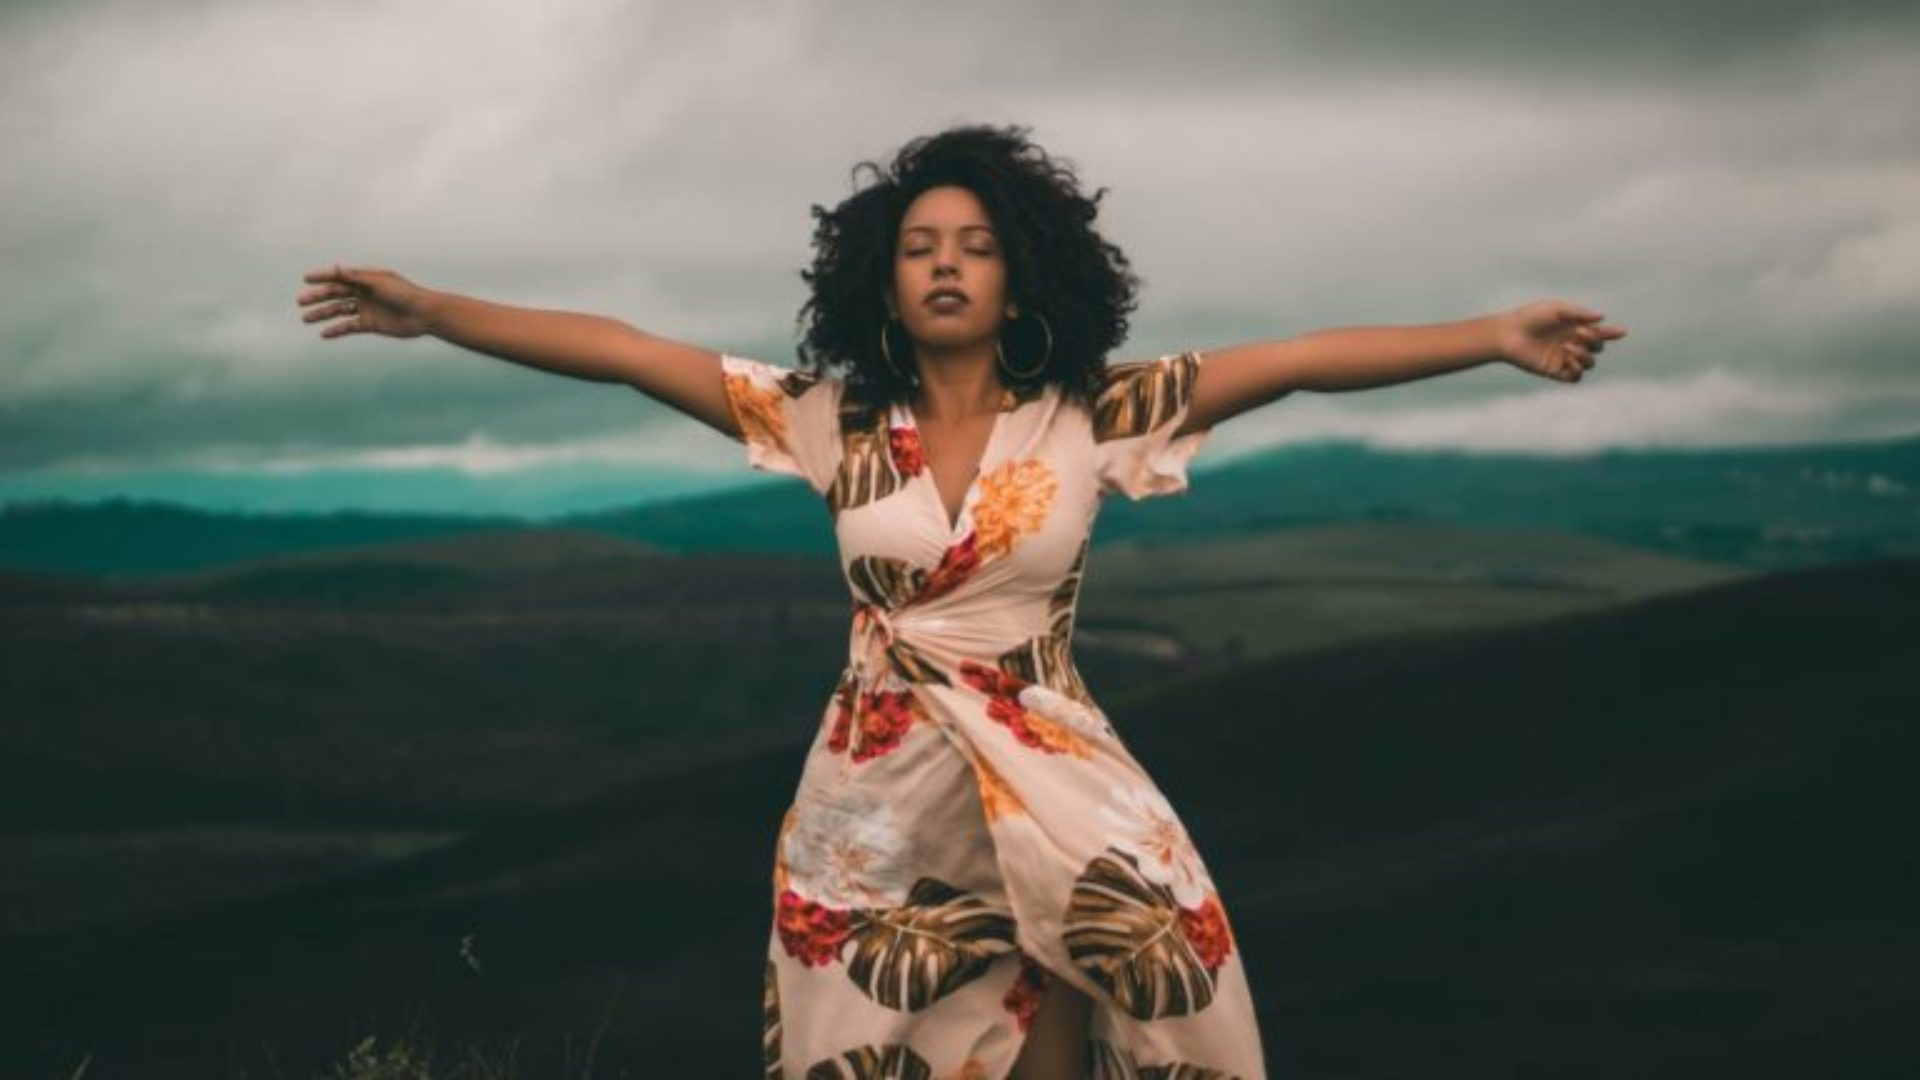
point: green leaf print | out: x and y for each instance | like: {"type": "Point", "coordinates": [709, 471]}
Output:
{"type": "Point", "coordinates": [1124, 932]}
{"type": "Point", "coordinates": [866, 472]}
{"type": "Point", "coordinates": [770, 1023]}
{"type": "Point", "coordinates": [1139, 395]}
{"type": "Point", "coordinates": [896, 1062]}
{"type": "Point", "coordinates": [910, 956]}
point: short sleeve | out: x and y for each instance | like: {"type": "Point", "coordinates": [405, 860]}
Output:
{"type": "Point", "coordinates": [1140, 405]}
{"type": "Point", "coordinates": [788, 418]}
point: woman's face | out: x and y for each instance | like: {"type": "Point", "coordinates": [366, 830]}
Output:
{"type": "Point", "coordinates": [948, 242]}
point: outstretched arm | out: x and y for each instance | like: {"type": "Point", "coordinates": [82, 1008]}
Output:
{"type": "Point", "coordinates": [1551, 338]}
{"type": "Point", "coordinates": [581, 346]}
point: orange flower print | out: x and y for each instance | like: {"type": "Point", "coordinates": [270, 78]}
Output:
{"type": "Point", "coordinates": [1014, 500]}
{"type": "Point", "coordinates": [758, 410]}
{"type": "Point", "coordinates": [996, 798]}
{"type": "Point", "coordinates": [1043, 734]}
{"type": "Point", "coordinates": [903, 444]}
{"type": "Point", "coordinates": [812, 933]}
{"type": "Point", "coordinates": [1004, 707]}
{"type": "Point", "coordinates": [1205, 928]}
{"type": "Point", "coordinates": [1023, 1000]}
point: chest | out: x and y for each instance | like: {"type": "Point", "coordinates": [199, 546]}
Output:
{"type": "Point", "coordinates": [1018, 497]}
{"type": "Point", "coordinates": [954, 453]}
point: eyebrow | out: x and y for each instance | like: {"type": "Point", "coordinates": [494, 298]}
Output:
{"type": "Point", "coordinates": [988, 229]}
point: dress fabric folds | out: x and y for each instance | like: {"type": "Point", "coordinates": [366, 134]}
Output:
{"type": "Point", "coordinates": [968, 824]}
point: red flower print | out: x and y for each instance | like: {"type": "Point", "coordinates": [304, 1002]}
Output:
{"type": "Point", "coordinates": [904, 445]}
{"type": "Point", "coordinates": [957, 564]}
{"type": "Point", "coordinates": [993, 680]}
{"type": "Point", "coordinates": [1023, 999]}
{"type": "Point", "coordinates": [1205, 928]}
{"type": "Point", "coordinates": [842, 720]}
{"type": "Point", "coordinates": [885, 716]}
{"type": "Point", "coordinates": [812, 933]}
{"type": "Point", "coordinates": [1004, 707]}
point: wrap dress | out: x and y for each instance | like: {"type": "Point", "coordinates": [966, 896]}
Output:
{"type": "Point", "coordinates": [968, 824]}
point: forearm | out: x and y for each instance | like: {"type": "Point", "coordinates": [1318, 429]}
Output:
{"type": "Point", "coordinates": [581, 345]}
{"type": "Point", "coordinates": [1357, 358]}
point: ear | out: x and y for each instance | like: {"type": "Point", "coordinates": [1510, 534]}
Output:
{"type": "Point", "coordinates": [1013, 310]}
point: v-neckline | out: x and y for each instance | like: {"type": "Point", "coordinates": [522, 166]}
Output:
{"type": "Point", "coordinates": [970, 494]}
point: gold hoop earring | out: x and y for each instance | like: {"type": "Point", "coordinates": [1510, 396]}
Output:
{"type": "Point", "coordinates": [1038, 368]}
{"type": "Point", "coordinates": [887, 350]}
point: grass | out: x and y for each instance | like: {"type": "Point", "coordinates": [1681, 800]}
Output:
{"type": "Point", "coordinates": [416, 1056]}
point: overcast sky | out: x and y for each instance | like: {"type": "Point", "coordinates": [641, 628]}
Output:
{"type": "Point", "coordinates": [1737, 184]}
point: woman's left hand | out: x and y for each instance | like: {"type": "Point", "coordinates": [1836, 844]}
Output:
{"type": "Point", "coordinates": [1554, 338]}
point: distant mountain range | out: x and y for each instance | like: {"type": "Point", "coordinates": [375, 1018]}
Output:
{"type": "Point", "coordinates": [1760, 508]}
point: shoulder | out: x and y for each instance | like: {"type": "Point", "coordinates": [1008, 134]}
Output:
{"type": "Point", "coordinates": [761, 374]}
{"type": "Point", "coordinates": [1136, 395]}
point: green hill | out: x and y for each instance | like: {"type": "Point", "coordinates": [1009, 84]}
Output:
{"type": "Point", "coordinates": [1664, 838]}
{"type": "Point", "coordinates": [1761, 508]}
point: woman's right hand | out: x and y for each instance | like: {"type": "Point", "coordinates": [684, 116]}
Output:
{"type": "Point", "coordinates": [364, 300]}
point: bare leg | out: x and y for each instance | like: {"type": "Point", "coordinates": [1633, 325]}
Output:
{"type": "Point", "coordinates": [1056, 1046]}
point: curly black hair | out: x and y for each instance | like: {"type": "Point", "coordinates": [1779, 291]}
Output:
{"type": "Point", "coordinates": [1058, 266]}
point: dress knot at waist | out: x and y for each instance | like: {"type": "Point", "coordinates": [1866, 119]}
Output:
{"type": "Point", "coordinates": [880, 636]}
{"type": "Point", "coordinates": [875, 630]}
{"type": "Point", "coordinates": [909, 639]}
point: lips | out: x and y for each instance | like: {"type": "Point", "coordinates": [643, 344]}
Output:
{"type": "Point", "coordinates": [945, 293]}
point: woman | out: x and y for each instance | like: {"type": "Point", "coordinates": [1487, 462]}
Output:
{"type": "Point", "coordinates": [975, 877]}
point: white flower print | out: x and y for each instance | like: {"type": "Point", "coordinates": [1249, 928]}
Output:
{"type": "Point", "coordinates": [1062, 709]}
{"type": "Point", "coordinates": [1146, 827]}
{"type": "Point", "coordinates": [848, 852]}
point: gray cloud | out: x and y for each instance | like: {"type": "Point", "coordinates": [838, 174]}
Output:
{"type": "Point", "coordinates": [1739, 185]}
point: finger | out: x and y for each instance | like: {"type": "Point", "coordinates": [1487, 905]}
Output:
{"type": "Point", "coordinates": [339, 307]}
{"type": "Point", "coordinates": [335, 310]}
{"type": "Point", "coordinates": [336, 272]}
{"type": "Point", "coordinates": [324, 292]}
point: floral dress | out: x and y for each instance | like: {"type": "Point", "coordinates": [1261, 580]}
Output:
{"type": "Point", "coordinates": [969, 825]}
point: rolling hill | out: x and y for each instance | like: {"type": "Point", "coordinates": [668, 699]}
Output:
{"type": "Point", "coordinates": [1665, 837]}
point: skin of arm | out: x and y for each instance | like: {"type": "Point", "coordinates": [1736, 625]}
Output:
{"type": "Point", "coordinates": [585, 346]}
{"type": "Point", "coordinates": [1550, 338]}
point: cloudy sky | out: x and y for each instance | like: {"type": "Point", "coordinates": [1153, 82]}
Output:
{"type": "Point", "coordinates": [1737, 184]}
